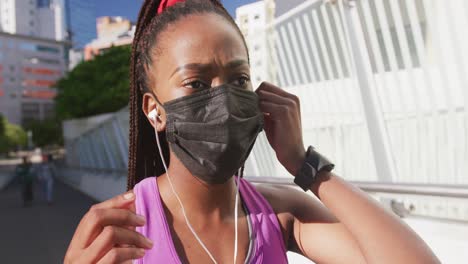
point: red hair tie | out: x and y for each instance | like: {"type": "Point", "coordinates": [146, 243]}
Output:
{"type": "Point", "coordinates": [167, 3]}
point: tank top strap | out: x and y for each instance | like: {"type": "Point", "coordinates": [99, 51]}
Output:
{"type": "Point", "coordinates": [268, 239]}
{"type": "Point", "coordinates": [148, 204]}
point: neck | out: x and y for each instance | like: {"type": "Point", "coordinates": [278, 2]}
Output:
{"type": "Point", "coordinates": [215, 201]}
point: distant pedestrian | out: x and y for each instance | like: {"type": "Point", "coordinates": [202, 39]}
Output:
{"type": "Point", "coordinates": [45, 173]}
{"type": "Point", "coordinates": [25, 173]}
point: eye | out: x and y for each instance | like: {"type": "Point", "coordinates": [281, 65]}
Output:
{"type": "Point", "coordinates": [242, 81]}
{"type": "Point", "coordinates": [196, 84]}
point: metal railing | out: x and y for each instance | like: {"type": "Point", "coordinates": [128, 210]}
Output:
{"type": "Point", "coordinates": [383, 92]}
{"type": "Point", "coordinates": [383, 86]}
{"type": "Point", "coordinates": [433, 190]}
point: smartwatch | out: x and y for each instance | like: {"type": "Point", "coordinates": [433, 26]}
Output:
{"type": "Point", "coordinates": [314, 163]}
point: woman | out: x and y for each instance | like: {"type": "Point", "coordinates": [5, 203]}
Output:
{"type": "Point", "coordinates": [26, 174]}
{"type": "Point", "coordinates": [191, 88]}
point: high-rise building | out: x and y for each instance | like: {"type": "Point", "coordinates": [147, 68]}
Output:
{"type": "Point", "coordinates": [252, 20]}
{"type": "Point", "coordinates": [111, 31]}
{"type": "Point", "coordinates": [285, 6]}
{"type": "Point", "coordinates": [39, 18]}
{"type": "Point", "coordinates": [81, 21]}
{"type": "Point", "coordinates": [33, 55]}
{"type": "Point", "coordinates": [29, 68]}
{"type": "Point", "coordinates": [43, 3]}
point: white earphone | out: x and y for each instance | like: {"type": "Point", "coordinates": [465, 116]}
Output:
{"type": "Point", "coordinates": [153, 115]}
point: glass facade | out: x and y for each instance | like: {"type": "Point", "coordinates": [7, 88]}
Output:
{"type": "Point", "coordinates": [43, 3]}
{"type": "Point", "coordinates": [81, 21]}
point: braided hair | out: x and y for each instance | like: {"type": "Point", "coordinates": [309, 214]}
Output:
{"type": "Point", "coordinates": [143, 160]}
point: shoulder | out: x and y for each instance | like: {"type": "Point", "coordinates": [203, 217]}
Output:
{"type": "Point", "coordinates": [145, 188]}
{"type": "Point", "coordinates": [149, 181]}
{"type": "Point", "coordinates": [293, 206]}
{"type": "Point", "coordinates": [286, 199]}
{"type": "Point", "coordinates": [283, 200]}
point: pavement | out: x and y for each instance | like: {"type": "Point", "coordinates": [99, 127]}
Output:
{"type": "Point", "coordinates": [40, 233]}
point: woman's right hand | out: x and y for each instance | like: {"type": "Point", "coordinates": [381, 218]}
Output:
{"type": "Point", "coordinates": [106, 234]}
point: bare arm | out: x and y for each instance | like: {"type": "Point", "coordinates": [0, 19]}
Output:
{"type": "Point", "coordinates": [381, 236]}
{"type": "Point", "coordinates": [348, 226]}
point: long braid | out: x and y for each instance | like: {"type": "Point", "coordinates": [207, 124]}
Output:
{"type": "Point", "coordinates": [143, 159]}
{"type": "Point", "coordinates": [144, 18]}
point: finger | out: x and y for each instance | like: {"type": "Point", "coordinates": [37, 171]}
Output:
{"type": "Point", "coordinates": [266, 86]}
{"type": "Point", "coordinates": [122, 255]}
{"type": "Point", "coordinates": [132, 209]}
{"type": "Point", "coordinates": [275, 98]}
{"type": "Point", "coordinates": [97, 219]}
{"type": "Point", "coordinates": [277, 111]}
{"type": "Point", "coordinates": [110, 237]}
{"type": "Point", "coordinates": [84, 229]}
{"type": "Point", "coordinates": [125, 200]}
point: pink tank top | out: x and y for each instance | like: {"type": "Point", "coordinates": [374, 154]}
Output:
{"type": "Point", "coordinates": [266, 238]}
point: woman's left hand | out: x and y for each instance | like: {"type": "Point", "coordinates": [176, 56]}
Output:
{"type": "Point", "coordinates": [283, 125]}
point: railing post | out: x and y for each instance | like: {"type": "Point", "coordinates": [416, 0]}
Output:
{"type": "Point", "coordinates": [379, 138]}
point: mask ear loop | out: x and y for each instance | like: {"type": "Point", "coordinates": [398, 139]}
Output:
{"type": "Point", "coordinates": [177, 196]}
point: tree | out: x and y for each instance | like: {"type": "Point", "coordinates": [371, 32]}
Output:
{"type": "Point", "coordinates": [11, 136]}
{"type": "Point", "coordinates": [45, 132]}
{"type": "Point", "coordinates": [94, 87]}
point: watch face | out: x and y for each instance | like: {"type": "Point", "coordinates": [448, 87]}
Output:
{"type": "Point", "coordinates": [309, 170]}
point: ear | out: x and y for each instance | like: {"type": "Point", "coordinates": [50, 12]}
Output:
{"type": "Point", "coordinates": [149, 104]}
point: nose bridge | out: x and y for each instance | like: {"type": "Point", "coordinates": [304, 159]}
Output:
{"type": "Point", "coordinates": [220, 73]}
{"type": "Point", "coordinates": [221, 77]}
{"type": "Point", "coordinates": [217, 80]}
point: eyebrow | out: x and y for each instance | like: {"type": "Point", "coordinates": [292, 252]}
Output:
{"type": "Point", "coordinates": [206, 66]}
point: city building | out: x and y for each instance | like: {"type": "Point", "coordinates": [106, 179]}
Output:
{"type": "Point", "coordinates": [29, 67]}
{"type": "Point", "coordinates": [80, 21]}
{"type": "Point", "coordinates": [283, 7]}
{"type": "Point", "coordinates": [37, 18]}
{"type": "Point", "coordinates": [111, 31]}
{"type": "Point", "coordinates": [75, 57]}
{"type": "Point", "coordinates": [252, 20]}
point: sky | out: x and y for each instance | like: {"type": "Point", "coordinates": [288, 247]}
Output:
{"type": "Point", "coordinates": [130, 8]}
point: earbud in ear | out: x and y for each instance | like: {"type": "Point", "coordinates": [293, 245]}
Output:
{"type": "Point", "coordinates": [152, 115]}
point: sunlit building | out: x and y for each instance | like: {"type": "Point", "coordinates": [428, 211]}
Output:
{"type": "Point", "coordinates": [252, 20]}
{"type": "Point", "coordinates": [38, 18]}
{"type": "Point", "coordinates": [29, 68]}
{"type": "Point", "coordinates": [111, 32]}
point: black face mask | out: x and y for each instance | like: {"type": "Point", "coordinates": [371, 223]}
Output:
{"type": "Point", "coordinates": [213, 131]}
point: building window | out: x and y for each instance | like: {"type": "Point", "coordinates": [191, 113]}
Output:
{"type": "Point", "coordinates": [257, 16]}
{"type": "Point", "coordinates": [12, 68]}
{"type": "Point", "coordinates": [49, 110]}
{"type": "Point", "coordinates": [36, 60]}
{"type": "Point", "coordinates": [27, 46]}
{"type": "Point", "coordinates": [47, 49]}
{"type": "Point", "coordinates": [30, 111]}
{"type": "Point", "coordinates": [244, 19]}
{"type": "Point", "coordinates": [31, 23]}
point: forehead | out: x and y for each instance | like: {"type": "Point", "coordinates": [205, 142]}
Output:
{"type": "Point", "coordinates": [201, 38]}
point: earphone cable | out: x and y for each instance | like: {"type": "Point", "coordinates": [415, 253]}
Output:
{"type": "Point", "coordinates": [183, 208]}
